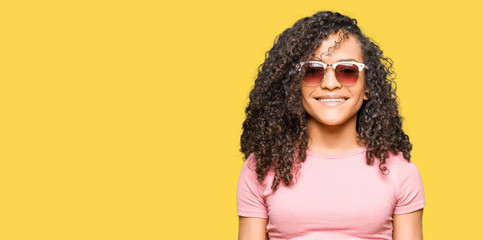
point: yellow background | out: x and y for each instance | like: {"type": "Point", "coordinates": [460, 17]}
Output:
{"type": "Point", "coordinates": [121, 119]}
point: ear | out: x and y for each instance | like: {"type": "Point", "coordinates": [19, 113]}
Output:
{"type": "Point", "coordinates": [366, 94]}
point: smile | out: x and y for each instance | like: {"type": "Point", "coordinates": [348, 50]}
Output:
{"type": "Point", "coordinates": [332, 100]}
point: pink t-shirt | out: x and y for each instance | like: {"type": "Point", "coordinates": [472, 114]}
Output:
{"type": "Point", "coordinates": [333, 197]}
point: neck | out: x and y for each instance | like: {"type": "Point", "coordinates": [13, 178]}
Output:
{"type": "Point", "coordinates": [338, 139]}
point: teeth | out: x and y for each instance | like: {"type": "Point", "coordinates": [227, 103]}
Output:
{"type": "Point", "coordinates": [331, 100]}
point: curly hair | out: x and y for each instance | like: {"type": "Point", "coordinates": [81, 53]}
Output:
{"type": "Point", "coordinates": [275, 129]}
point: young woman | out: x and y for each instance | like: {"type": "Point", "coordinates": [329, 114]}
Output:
{"type": "Point", "coordinates": [326, 157]}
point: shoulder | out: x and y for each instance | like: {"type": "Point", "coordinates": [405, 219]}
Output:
{"type": "Point", "coordinates": [409, 191]}
{"type": "Point", "coordinates": [249, 166]}
{"type": "Point", "coordinates": [397, 163]}
{"type": "Point", "coordinates": [402, 171]}
{"type": "Point", "coordinates": [248, 171]}
{"type": "Point", "coordinates": [250, 192]}
{"type": "Point", "coordinates": [248, 174]}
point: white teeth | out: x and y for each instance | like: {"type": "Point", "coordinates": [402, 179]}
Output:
{"type": "Point", "coordinates": [331, 100]}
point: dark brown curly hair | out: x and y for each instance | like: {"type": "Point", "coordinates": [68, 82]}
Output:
{"type": "Point", "coordinates": [275, 129]}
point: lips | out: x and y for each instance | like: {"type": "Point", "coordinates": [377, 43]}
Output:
{"type": "Point", "coordinates": [331, 98]}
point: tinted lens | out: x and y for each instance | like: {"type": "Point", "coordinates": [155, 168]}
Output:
{"type": "Point", "coordinates": [347, 74]}
{"type": "Point", "coordinates": [314, 74]}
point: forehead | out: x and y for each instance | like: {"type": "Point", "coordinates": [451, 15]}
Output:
{"type": "Point", "coordinates": [339, 47]}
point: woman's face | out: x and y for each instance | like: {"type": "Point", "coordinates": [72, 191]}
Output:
{"type": "Point", "coordinates": [318, 100]}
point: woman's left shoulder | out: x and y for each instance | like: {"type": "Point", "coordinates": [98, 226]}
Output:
{"type": "Point", "coordinates": [397, 158]}
{"type": "Point", "coordinates": [396, 162]}
{"type": "Point", "coordinates": [409, 189]}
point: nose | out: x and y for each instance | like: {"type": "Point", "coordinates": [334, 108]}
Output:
{"type": "Point", "coordinates": [330, 81]}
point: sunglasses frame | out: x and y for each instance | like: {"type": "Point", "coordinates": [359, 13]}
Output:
{"type": "Point", "coordinates": [334, 66]}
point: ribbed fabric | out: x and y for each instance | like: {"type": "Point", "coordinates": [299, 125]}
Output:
{"type": "Point", "coordinates": [333, 197]}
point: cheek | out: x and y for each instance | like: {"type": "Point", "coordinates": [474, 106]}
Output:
{"type": "Point", "coordinates": [305, 97]}
{"type": "Point", "coordinates": [359, 95]}
{"type": "Point", "coordinates": [307, 90]}
{"type": "Point", "coordinates": [360, 100]}
{"type": "Point", "coordinates": [305, 105]}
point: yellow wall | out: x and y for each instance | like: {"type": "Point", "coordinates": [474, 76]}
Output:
{"type": "Point", "coordinates": [121, 119]}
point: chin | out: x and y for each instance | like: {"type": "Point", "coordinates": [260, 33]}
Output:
{"type": "Point", "coordinates": [328, 122]}
{"type": "Point", "coordinates": [332, 124]}
{"type": "Point", "coordinates": [333, 121]}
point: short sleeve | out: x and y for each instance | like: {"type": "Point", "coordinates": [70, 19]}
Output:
{"type": "Point", "coordinates": [410, 192]}
{"type": "Point", "coordinates": [249, 196]}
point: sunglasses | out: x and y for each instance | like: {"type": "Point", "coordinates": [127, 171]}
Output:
{"type": "Point", "coordinates": [346, 72]}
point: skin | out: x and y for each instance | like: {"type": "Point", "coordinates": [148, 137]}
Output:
{"type": "Point", "coordinates": [252, 228]}
{"type": "Point", "coordinates": [408, 226]}
{"type": "Point", "coordinates": [332, 129]}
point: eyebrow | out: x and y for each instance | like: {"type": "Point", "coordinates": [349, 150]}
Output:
{"type": "Point", "coordinates": [339, 60]}
{"type": "Point", "coordinates": [347, 60]}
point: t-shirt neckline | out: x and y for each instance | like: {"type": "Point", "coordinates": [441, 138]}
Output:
{"type": "Point", "coordinates": [354, 152]}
